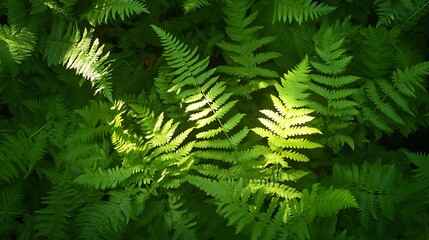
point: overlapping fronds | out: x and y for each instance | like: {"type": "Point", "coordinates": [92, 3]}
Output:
{"type": "Point", "coordinates": [242, 209]}
{"type": "Point", "coordinates": [387, 106]}
{"type": "Point", "coordinates": [207, 103]}
{"type": "Point", "coordinates": [377, 190]}
{"type": "Point", "coordinates": [404, 11]}
{"type": "Point", "coordinates": [20, 153]}
{"type": "Point", "coordinates": [152, 152]}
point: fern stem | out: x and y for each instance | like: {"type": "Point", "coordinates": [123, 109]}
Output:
{"type": "Point", "coordinates": [32, 135]}
{"type": "Point", "coordinates": [220, 123]}
{"type": "Point", "coordinates": [418, 10]}
{"type": "Point", "coordinates": [14, 213]}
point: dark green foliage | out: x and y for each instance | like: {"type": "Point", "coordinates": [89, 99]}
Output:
{"type": "Point", "coordinates": [401, 12]}
{"type": "Point", "coordinates": [244, 63]}
{"type": "Point", "coordinates": [217, 119]}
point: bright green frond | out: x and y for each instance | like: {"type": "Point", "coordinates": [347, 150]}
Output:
{"type": "Point", "coordinates": [82, 53]}
{"type": "Point", "coordinates": [19, 42]}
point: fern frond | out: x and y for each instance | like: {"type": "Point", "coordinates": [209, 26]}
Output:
{"type": "Point", "coordinates": [242, 55]}
{"type": "Point", "coordinates": [421, 160]}
{"type": "Point", "coordinates": [11, 205]}
{"type": "Point", "coordinates": [324, 202]}
{"type": "Point", "coordinates": [384, 10]}
{"type": "Point", "coordinates": [19, 42]}
{"type": "Point", "coordinates": [402, 12]}
{"type": "Point", "coordinates": [407, 80]}
{"type": "Point", "coordinates": [20, 153]}
{"type": "Point", "coordinates": [375, 187]}
{"type": "Point", "coordinates": [377, 48]}
{"type": "Point", "coordinates": [282, 128]}
{"type": "Point", "coordinates": [102, 11]}
{"type": "Point", "coordinates": [206, 101]}
{"type": "Point", "coordinates": [384, 107]}
{"type": "Point", "coordinates": [386, 101]}
{"type": "Point", "coordinates": [243, 209]}
{"type": "Point", "coordinates": [294, 90]}
{"type": "Point", "coordinates": [81, 53]}
{"type": "Point", "coordinates": [150, 152]}
{"type": "Point", "coordinates": [180, 219]}
{"type": "Point", "coordinates": [106, 219]}
{"type": "Point", "coordinates": [53, 221]}
{"type": "Point", "coordinates": [331, 90]}
{"type": "Point", "coordinates": [299, 11]}
{"type": "Point", "coordinates": [192, 5]}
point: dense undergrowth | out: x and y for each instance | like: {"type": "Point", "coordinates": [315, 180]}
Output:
{"type": "Point", "coordinates": [214, 119]}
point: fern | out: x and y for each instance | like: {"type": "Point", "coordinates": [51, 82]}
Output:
{"type": "Point", "coordinates": [11, 206]}
{"type": "Point", "coordinates": [331, 92]}
{"type": "Point", "coordinates": [283, 128]}
{"type": "Point", "coordinates": [53, 221]}
{"type": "Point", "coordinates": [386, 96]}
{"type": "Point", "coordinates": [192, 5]}
{"type": "Point", "coordinates": [179, 219]}
{"type": "Point", "coordinates": [151, 153]}
{"type": "Point", "coordinates": [79, 52]}
{"type": "Point", "coordinates": [404, 11]}
{"type": "Point", "coordinates": [422, 163]}
{"type": "Point", "coordinates": [20, 153]}
{"type": "Point", "coordinates": [243, 61]}
{"type": "Point", "coordinates": [299, 11]}
{"type": "Point", "coordinates": [376, 189]}
{"type": "Point", "coordinates": [235, 202]}
{"type": "Point", "coordinates": [20, 42]}
{"type": "Point", "coordinates": [103, 11]}
{"type": "Point", "coordinates": [88, 145]}
{"type": "Point", "coordinates": [16, 45]}
{"type": "Point", "coordinates": [206, 101]}
{"type": "Point", "coordinates": [386, 100]}
{"type": "Point", "coordinates": [378, 46]}
{"type": "Point", "coordinates": [411, 79]}
{"type": "Point", "coordinates": [314, 203]}
{"type": "Point", "coordinates": [106, 219]}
